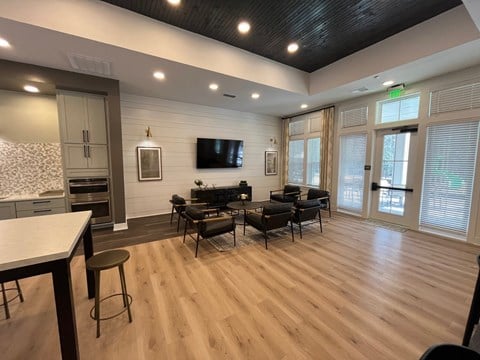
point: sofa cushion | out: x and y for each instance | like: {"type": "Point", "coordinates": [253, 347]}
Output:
{"type": "Point", "coordinates": [194, 213]}
{"type": "Point", "coordinates": [305, 204]}
{"type": "Point", "coordinates": [271, 209]}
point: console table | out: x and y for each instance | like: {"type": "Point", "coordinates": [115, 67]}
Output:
{"type": "Point", "coordinates": [221, 195]}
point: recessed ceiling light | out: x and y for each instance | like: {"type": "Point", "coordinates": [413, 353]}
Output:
{"type": "Point", "coordinates": [31, 88]}
{"type": "Point", "coordinates": [292, 47]}
{"type": "Point", "coordinates": [213, 86]}
{"type": "Point", "coordinates": [174, 2]}
{"type": "Point", "coordinates": [388, 83]}
{"type": "Point", "coordinates": [159, 75]}
{"type": "Point", "coordinates": [255, 95]}
{"type": "Point", "coordinates": [244, 27]}
{"type": "Point", "coordinates": [4, 43]}
{"type": "Point", "coordinates": [303, 106]}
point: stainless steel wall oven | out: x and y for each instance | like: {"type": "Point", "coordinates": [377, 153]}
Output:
{"type": "Point", "coordinates": [91, 194]}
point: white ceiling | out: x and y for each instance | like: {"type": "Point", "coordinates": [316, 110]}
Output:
{"type": "Point", "coordinates": [444, 44]}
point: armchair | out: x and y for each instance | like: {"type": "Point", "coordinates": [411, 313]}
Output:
{"type": "Point", "coordinates": [289, 194]}
{"type": "Point", "coordinates": [207, 227]}
{"type": "Point", "coordinates": [323, 196]}
{"type": "Point", "coordinates": [178, 206]}
{"type": "Point", "coordinates": [273, 216]}
{"type": "Point", "coordinates": [306, 210]}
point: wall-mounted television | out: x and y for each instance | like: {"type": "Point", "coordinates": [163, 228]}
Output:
{"type": "Point", "coordinates": [219, 153]}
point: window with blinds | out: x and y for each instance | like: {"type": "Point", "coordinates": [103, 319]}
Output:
{"type": "Point", "coordinates": [354, 117]}
{"type": "Point", "coordinates": [404, 108]}
{"type": "Point", "coordinates": [449, 169]}
{"type": "Point", "coordinates": [351, 173]}
{"type": "Point", "coordinates": [454, 99]}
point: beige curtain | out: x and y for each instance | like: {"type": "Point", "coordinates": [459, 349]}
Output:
{"type": "Point", "coordinates": [284, 174]}
{"type": "Point", "coordinates": [326, 150]}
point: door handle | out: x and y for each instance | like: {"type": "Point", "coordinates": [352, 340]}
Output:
{"type": "Point", "coordinates": [84, 136]}
{"type": "Point", "coordinates": [85, 151]}
{"type": "Point", "coordinates": [375, 187]}
{"type": "Point", "coordinates": [88, 151]}
{"type": "Point", "coordinates": [88, 135]}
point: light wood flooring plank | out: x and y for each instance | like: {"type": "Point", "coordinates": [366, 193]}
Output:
{"type": "Point", "coordinates": [355, 291]}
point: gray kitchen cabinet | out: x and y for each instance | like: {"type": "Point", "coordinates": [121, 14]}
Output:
{"type": "Point", "coordinates": [82, 118]}
{"type": "Point", "coordinates": [40, 207]}
{"type": "Point", "coordinates": [83, 134]}
{"type": "Point", "coordinates": [7, 210]}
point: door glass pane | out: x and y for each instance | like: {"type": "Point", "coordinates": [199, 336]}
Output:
{"type": "Point", "coordinates": [351, 172]}
{"type": "Point", "coordinates": [295, 161]}
{"type": "Point", "coordinates": [313, 161]}
{"type": "Point", "coordinates": [394, 173]}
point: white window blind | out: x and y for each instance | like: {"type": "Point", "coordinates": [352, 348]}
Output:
{"type": "Point", "coordinates": [449, 170]}
{"type": "Point", "coordinates": [296, 127]}
{"type": "Point", "coordinates": [351, 172]}
{"type": "Point", "coordinates": [453, 99]}
{"type": "Point", "coordinates": [405, 108]}
{"type": "Point", "coordinates": [295, 161]}
{"type": "Point", "coordinates": [354, 117]}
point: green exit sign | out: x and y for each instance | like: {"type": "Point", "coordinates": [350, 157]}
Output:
{"type": "Point", "coordinates": [395, 93]}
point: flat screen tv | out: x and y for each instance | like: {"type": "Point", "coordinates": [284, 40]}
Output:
{"type": "Point", "coordinates": [219, 153]}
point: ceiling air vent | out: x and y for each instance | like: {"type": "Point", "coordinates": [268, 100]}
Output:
{"type": "Point", "coordinates": [360, 90]}
{"type": "Point", "coordinates": [230, 96]}
{"type": "Point", "coordinates": [90, 64]}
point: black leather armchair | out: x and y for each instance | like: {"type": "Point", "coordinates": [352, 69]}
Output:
{"type": "Point", "coordinates": [273, 216]}
{"type": "Point", "coordinates": [323, 196]}
{"type": "Point", "coordinates": [207, 227]}
{"type": "Point", "coordinates": [178, 207]}
{"type": "Point", "coordinates": [289, 194]}
{"type": "Point", "coordinates": [450, 351]}
{"type": "Point", "coordinates": [307, 211]}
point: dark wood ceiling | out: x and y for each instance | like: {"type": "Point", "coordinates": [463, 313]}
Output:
{"type": "Point", "coordinates": [326, 30]}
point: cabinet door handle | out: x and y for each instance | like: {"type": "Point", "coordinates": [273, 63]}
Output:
{"type": "Point", "coordinates": [84, 136]}
{"type": "Point", "coordinates": [88, 151]}
{"type": "Point", "coordinates": [88, 135]}
{"type": "Point", "coordinates": [85, 151]}
{"type": "Point", "coordinates": [41, 202]}
{"type": "Point", "coordinates": [42, 211]}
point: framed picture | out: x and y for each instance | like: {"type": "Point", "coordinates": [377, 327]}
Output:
{"type": "Point", "coordinates": [149, 163]}
{"type": "Point", "coordinates": [271, 162]}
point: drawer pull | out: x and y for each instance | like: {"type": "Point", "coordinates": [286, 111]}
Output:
{"type": "Point", "coordinates": [42, 211]}
{"type": "Point", "coordinates": [41, 202]}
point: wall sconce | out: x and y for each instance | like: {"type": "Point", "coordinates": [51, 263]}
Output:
{"type": "Point", "coordinates": [273, 141]}
{"type": "Point", "coordinates": [148, 132]}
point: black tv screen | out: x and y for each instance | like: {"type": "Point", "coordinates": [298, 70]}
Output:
{"type": "Point", "coordinates": [219, 153]}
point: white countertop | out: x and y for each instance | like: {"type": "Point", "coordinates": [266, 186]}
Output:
{"type": "Point", "coordinates": [38, 239]}
{"type": "Point", "coordinates": [29, 197]}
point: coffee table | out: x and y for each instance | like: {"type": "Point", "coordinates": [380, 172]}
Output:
{"type": "Point", "coordinates": [245, 205]}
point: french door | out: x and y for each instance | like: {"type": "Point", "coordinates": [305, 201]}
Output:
{"type": "Point", "coordinates": [393, 198]}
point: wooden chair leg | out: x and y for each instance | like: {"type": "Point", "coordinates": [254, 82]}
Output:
{"type": "Point", "coordinates": [320, 220]}
{"type": "Point", "coordinates": [19, 290]}
{"type": "Point", "coordinates": [171, 215]}
{"type": "Point", "coordinates": [266, 238]}
{"type": "Point", "coordinates": [185, 231]}
{"type": "Point", "coordinates": [291, 229]}
{"type": "Point", "coordinates": [300, 228]}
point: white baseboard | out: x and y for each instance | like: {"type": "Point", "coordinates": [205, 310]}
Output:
{"type": "Point", "coordinates": [121, 226]}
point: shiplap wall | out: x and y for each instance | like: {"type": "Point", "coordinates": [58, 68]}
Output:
{"type": "Point", "coordinates": [175, 127]}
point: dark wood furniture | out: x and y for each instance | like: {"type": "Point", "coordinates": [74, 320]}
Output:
{"type": "Point", "coordinates": [220, 196]}
{"type": "Point", "coordinates": [323, 196]}
{"type": "Point", "coordinates": [6, 300]}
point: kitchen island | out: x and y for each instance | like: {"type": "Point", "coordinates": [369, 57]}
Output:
{"type": "Point", "coordinates": [46, 244]}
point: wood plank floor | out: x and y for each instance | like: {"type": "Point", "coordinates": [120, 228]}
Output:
{"type": "Point", "coordinates": [354, 292]}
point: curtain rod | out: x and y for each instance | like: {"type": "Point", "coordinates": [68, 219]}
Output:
{"type": "Point", "coordinates": [306, 112]}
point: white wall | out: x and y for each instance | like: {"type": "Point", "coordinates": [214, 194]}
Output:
{"type": "Point", "coordinates": [175, 127]}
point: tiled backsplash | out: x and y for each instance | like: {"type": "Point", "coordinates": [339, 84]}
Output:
{"type": "Point", "coordinates": [27, 168]}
